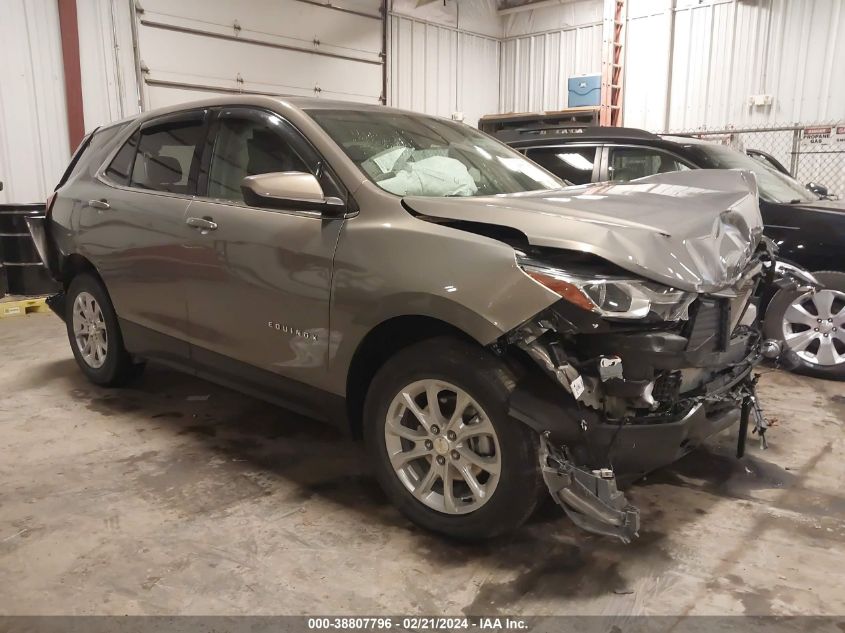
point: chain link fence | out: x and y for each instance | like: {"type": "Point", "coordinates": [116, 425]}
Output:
{"type": "Point", "coordinates": [809, 153]}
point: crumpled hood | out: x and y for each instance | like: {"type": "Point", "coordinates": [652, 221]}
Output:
{"type": "Point", "coordinates": [693, 230]}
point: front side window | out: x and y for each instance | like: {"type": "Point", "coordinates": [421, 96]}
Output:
{"type": "Point", "coordinates": [167, 157]}
{"type": "Point", "coordinates": [630, 163]}
{"type": "Point", "coordinates": [418, 155]}
{"type": "Point", "coordinates": [573, 164]}
{"type": "Point", "coordinates": [773, 185]}
{"type": "Point", "coordinates": [246, 146]}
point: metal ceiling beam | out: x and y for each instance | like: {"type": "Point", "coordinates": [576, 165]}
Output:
{"type": "Point", "coordinates": [509, 8]}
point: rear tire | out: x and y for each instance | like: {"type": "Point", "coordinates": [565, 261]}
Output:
{"type": "Point", "coordinates": [94, 334]}
{"type": "Point", "coordinates": [793, 316]}
{"type": "Point", "coordinates": [490, 461]}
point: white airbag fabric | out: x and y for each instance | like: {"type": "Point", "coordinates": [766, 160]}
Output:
{"type": "Point", "coordinates": [433, 176]}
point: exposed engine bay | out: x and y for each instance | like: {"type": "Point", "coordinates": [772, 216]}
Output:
{"type": "Point", "coordinates": [641, 393]}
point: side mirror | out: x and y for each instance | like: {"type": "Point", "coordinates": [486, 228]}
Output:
{"type": "Point", "coordinates": [819, 190]}
{"type": "Point", "coordinates": [289, 190]}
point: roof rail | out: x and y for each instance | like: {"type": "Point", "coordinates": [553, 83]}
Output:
{"type": "Point", "coordinates": [535, 132]}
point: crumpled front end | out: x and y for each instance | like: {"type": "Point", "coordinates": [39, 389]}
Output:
{"type": "Point", "coordinates": [647, 344]}
{"type": "Point", "coordinates": [628, 376]}
{"type": "Point", "coordinates": [693, 230]}
{"type": "Point", "coordinates": [616, 397]}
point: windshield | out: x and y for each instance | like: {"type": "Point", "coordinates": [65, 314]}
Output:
{"type": "Point", "coordinates": [417, 155]}
{"type": "Point", "coordinates": [774, 186]}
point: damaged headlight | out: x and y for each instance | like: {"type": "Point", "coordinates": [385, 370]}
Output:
{"type": "Point", "coordinates": [613, 297]}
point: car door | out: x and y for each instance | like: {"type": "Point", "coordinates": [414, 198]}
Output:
{"type": "Point", "coordinates": [576, 163]}
{"type": "Point", "coordinates": [629, 162]}
{"type": "Point", "coordinates": [258, 296]}
{"type": "Point", "coordinates": [134, 231]}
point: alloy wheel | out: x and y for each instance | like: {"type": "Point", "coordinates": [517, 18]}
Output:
{"type": "Point", "coordinates": [814, 327]}
{"type": "Point", "coordinates": [442, 446]}
{"type": "Point", "coordinates": [89, 330]}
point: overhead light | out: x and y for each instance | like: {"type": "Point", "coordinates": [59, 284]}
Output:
{"type": "Point", "coordinates": [576, 161]}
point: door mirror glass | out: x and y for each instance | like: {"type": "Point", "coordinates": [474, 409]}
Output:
{"type": "Point", "coordinates": [288, 190]}
{"type": "Point", "coordinates": [819, 190]}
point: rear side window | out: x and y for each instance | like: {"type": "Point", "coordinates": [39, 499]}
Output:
{"type": "Point", "coordinates": [629, 163]}
{"type": "Point", "coordinates": [574, 164]}
{"type": "Point", "coordinates": [120, 168]}
{"type": "Point", "coordinates": [168, 157]}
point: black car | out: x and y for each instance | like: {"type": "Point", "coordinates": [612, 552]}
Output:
{"type": "Point", "coordinates": [809, 230]}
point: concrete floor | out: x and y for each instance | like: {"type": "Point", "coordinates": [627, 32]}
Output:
{"type": "Point", "coordinates": [147, 500]}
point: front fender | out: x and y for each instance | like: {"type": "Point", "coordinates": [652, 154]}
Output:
{"type": "Point", "coordinates": [389, 264]}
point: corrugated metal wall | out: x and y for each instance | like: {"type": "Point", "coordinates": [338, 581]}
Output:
{"type": "Point", "coordinates": [724, 51]}
{"type": "Point", "coordinates": [542, 48]}
{"type": "Point", "coordinates": [535, 68]}
{"type": "Point", "coordinates": [441, 70]}
{"type": "Point", "coordinates": [107, 61]}
{"type": "Point", "coordinates": [33, 124]}
{"type": "Point", "coordinates": [646, 65]}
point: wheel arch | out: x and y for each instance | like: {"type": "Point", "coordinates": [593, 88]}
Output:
{"type": "Point", "coordinates": [75, 264]}
{"type": "Point", "coordinates": [381, 343]}
{"type": "Point", "coordinates": [70, 267]}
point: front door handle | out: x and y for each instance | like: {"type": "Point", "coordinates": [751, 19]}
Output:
{"type": "Point", "coordinates": [204, 224]}
{"type": "Point", "coordinates": [102, 205]}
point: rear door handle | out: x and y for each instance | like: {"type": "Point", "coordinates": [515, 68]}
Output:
{"type": "Point", "coordinates": [204, 224]}
{"type": "Point", "coordinates": [102, 205]}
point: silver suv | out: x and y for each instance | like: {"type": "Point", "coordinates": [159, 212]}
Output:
{"type": "Point", "coordinates": [487, 332]}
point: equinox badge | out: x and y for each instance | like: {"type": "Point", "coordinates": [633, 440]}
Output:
{"type": "Point", "coordinates": [289, 329]}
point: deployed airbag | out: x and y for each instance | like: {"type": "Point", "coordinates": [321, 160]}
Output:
{"type": "Point", "coordinates": [432, 176]}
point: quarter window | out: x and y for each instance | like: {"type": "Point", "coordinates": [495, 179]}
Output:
{"type": "Point", "coordinates": [574, 164]}
{"type": "Point", "coordinates": [248, 145]}
{"type": "Point", "coordinates": [629, 163]}
{"type": "Point", "coordinates": [121, 166]}
{"type": "Point", "coordinates": [167, 157]}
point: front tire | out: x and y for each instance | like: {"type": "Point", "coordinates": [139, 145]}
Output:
{"type": "Point", "coordinates": [445, 450]}
{"type": "Point", "coordinates": [812, 326]}
{"type": "Point", "coordinates": [95, 336]}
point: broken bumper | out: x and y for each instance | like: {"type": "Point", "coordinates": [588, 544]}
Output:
{"type": "Point", "coordinates": [590, 499]}
{"type": "Point", "coordinates": [631, 449]}
{"type": "Point", "coordinates": [586, 451]}
{"type": "Point", "coordinates": [637, 449]}
{"type": "Point", "coordinates": [589, 495]}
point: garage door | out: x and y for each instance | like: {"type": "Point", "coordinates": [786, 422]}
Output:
{"type": "Point", "coordinates": [192, 48]}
